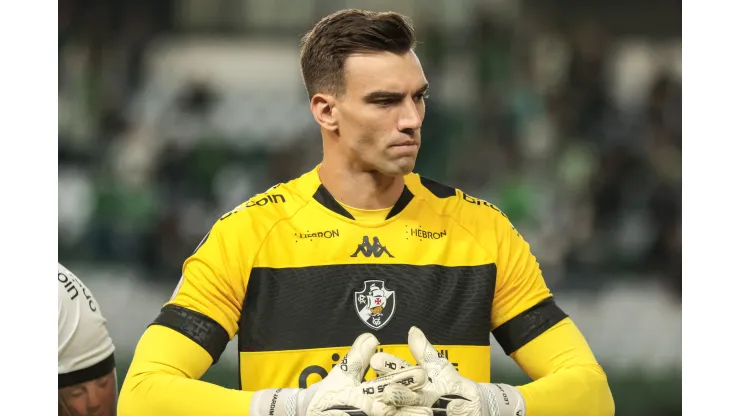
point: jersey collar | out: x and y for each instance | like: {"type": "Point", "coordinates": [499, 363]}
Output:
{"type": "Point", "coordinates": [323, 197]}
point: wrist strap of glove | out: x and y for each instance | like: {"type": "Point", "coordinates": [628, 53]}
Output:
{"type": "Point", "coordinates": [281, 402]}
{"type": "Point", "coordinates": [501, 400]}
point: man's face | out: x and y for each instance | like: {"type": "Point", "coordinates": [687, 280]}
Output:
{"type": "Point", "coordinates": [93, 398]}
{"type": "Point", "coordinates": [380, 114]}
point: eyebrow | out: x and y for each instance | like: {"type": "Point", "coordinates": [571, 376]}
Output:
{"type": "Point", "coordinates": [391, 95]}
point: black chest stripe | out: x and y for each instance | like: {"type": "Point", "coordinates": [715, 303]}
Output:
{"type": "Point", "coordinates": [329, 306]}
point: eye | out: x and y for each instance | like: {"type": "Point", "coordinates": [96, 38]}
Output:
{"type": "Point", "coordinates": [384, 103]}
{"type": "Point", "coordinates": [421, 97]}
{"type": "Point", "coordinates": [77, 392]}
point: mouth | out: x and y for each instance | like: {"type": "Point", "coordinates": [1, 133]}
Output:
{"type": "Point", "coordinates": [407, 143]}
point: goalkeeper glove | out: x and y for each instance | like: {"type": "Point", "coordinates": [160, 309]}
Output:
{"type": "Point", "coordinates": [342, 392]}
{"type": "Point", "coordinates": [447, 392]}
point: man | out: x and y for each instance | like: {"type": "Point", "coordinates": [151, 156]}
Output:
{"type": "Point", "coordinates": [86, 366]}
{"type": "Point", "coordinates": [294, 274]}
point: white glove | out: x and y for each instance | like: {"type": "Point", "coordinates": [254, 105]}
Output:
{"type": "Point", "coordinates": [342, 392]}
{"type": "Point", "coordinates": [447, 392]}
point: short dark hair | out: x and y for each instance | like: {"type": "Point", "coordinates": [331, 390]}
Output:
{"type": "Point", "coordinates": [325, 48]}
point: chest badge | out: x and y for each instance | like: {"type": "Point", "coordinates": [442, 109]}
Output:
{"type": "Point", "coordinates": [375, 304]}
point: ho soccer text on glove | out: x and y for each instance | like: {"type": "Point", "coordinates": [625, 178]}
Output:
{"type": "Point", "coordinates": [446, 392]}
{"type": "Point", "coordinates": [342, 392]}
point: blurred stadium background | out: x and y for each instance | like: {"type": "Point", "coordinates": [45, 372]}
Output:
{"type": "Point", "coordinates": [564, 113]}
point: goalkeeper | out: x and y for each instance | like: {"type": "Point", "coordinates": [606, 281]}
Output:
{"type": "Point", "coordinates": [361, 244]}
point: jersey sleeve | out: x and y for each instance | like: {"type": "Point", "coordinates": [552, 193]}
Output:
{"type": "Point", "coordinates": [192, 331]}
{"type": "Point", "coordinates": [206, 304]}
{"type": "Point", "coordinates": [567, 377]}
{"type": "Point", "coordinates": [523, 306]}
{"type": "Point", "coordinates": [163, 379]}
{"type": "Point", "coordinates": [85, 349]}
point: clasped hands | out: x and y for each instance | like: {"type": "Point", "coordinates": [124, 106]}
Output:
{"type": "Point", "coordinates": [431, 388]}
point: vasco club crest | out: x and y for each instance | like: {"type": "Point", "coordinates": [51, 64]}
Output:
{"type": "Point", "coordinates": [375, 304]}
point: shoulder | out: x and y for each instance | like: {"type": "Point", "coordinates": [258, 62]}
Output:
{"type": "Point", "coordinates": [468, 210]}
{"type": "Point", "coordinates": [262, 211]}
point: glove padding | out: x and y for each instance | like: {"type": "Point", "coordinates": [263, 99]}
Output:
{"type": "Point", "coordinates": [342, 392]}
{"type": "Point", "coordinates": [446, 392]}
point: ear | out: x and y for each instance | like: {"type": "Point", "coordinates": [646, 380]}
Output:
{"type": "Point", "coordinates": [322, 108]}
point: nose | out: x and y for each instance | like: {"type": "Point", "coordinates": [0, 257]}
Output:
{"type": "Point", "coordinates": [410, 117]}
{"type": "Point", "coordinates": [94, 400]}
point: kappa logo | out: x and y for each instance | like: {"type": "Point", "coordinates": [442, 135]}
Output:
{"type": "Point", "coordinates": [375, 249]}
{"type": "Point", "coordinates": [375, 304]}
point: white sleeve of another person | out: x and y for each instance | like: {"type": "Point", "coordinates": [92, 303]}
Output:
{"type": "Point", "coordinates": [85, 347]}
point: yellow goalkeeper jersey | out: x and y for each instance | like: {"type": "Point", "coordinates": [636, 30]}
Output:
{"type": "Point", "coordinates": [297, 278]}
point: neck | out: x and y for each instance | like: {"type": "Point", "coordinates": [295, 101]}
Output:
{"type": "Point", "coordinates": [359, 188]}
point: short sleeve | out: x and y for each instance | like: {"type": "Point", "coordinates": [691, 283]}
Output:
{"type": "Point", "coordinates": [523, 306]}
{"type": "Point", "coordinates": [206, 305]}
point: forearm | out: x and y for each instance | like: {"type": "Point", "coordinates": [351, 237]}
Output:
{"type": "Point", "coordinates": [164, 381]}
{"type": "Point", "coordinates": [577, 391]}
{"type": "Point", "coordinates": [567, 378]}
{"type": "Point", "coordinates": [160, 393]}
